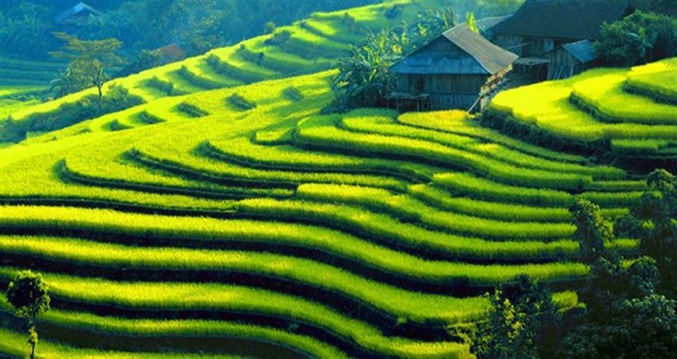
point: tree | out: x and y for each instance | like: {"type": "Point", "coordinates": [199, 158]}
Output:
{"type": "Point", "coordinates": [637, 39]}
{"type": "Point", "coordinates": [654, 221]}
{"type": "Point", "coordinates": [25, 29]}
{"type": "Point", "coordinates": [88, 61]}
{"type": "Point", "coordinates": [364, 77]}
{"type": "Point", "coordinates": [624, 317]}
{"type": "Point", "coordinates": [269, 28]}
{"type": "Point", "coordinates": [592, 232]}
{"type": "Point", "coordinates": [470, 20]}
{"type": "Point", "coordinates": [28, 295]}
{"type": "Point", "coordinates": [523, 323]}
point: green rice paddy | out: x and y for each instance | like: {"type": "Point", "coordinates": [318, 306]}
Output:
{"type": "Point", "coordinates": [195, 225]}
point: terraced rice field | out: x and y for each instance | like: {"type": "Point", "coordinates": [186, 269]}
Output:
{"type": "Point", "coordinates": [14, 98]}
{"type": "Point", "coordinates": [22, 72]}
{"type": "Point", "coordinates": [194, 224]}
{"type": "Point", "coordinates": [628, 111]}
{"type": "Point", "coordinates": [312, 47]}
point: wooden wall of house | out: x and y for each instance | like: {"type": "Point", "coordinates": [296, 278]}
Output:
{"type": "Point", "coordinates": [456, 101]}
{"type": "Point", "coordinates": [510, 43]}
{"type": "Point", "coordinates": [563, 65]}
{"type": "Point", "coordinates": [525, 46]}
{"type": "Point", "coordinates": [446, 91]}
{"type": "Point", "coordinates": [441, 84]}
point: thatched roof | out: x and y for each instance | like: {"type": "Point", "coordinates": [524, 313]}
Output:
{"type": "Point", "coordinates": [566, 19]}
{"type": "Point", "coordinates": [469, 53]}
{"type": "Point", "coordinates": [172, 53]}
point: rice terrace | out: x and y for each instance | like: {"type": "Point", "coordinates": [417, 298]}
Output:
{"type": "Point", "coordinates": [338, 179]}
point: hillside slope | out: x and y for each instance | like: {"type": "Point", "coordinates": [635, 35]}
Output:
{"type": "Point", "coordinates": [313, 45]}
{"type": "Point", "coordinates": [244, 214]}
{"type": "Point", "coordinates": [629, 112]}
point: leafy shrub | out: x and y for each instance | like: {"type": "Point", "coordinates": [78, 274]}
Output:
{"type": "Point", "coordinates": [638, 39]}
{"type": "Point", "coordinates": [191, 110]}
{"type": "Point", "coordinates": [278, 38]}
{"type": "Point", "coordinates": [240, 102]}
{"type": "Point", "coordinates": [164, 86]}
{"type": "Point", "coordinates": [292, 93]}
{"type": "Point", "coordinates": [117, 99]}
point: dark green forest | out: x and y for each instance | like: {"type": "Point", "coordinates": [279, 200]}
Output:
{"type": "Point", "coordinates": [197, 25]}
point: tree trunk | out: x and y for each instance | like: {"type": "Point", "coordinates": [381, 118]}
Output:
{"type": "Point", "coordinates": [98, 81]}
{"type": "Point", "coordinates": [33, 350]}
{"type": "Point", "coordinates": [99, 86]}
{"type": "Point", "coordinates": [32, 334]}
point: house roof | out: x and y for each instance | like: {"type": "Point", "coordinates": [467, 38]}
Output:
{"type": "Point", "coordinates": [488, 23]}
{"type": "Point", "coordinates": [80, 7]}
{"type": "Point", "coordinates": [490, 56]}
{"type": "Point", "coordinates": [172, 53]}
{"type": "Point", "coordinates": [582, 50]}
{"type": "Point", "coordinates": [473, 55]}
{"type": "Point", "coordinates": [567, 19]}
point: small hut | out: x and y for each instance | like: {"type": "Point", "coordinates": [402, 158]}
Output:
{"type": "Point", "coordinates": [172, 53]}
{"type": "Point", "coordinates": [540, 26]}
{"type": "Point", "coordinates": [571, 59]}
{"type": "Point", "coordinates": [76, 16]}
{"type": "Point", "coordinates": [458, 70]}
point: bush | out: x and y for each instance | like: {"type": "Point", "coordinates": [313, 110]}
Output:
{"type": "Point", "coordinates": [164, 86]}
{"type": "Point", "coordinates": [638, 39]}
{"type": "Point", "coordinates": [116, 99]}
{"type": "Point", "coordinates": [292, 93]}
{"type": "Point", "coordinates": [278, 38]}
{"type": "Point", "coordinates": [241, 102]}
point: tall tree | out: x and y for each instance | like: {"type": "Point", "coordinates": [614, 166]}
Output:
{"type": "Point", "coordinates": [88, 62]}
{"type": "Point", "coordinates": [654, 221]}
{"type": "Point", "coordinates": [592, 232]}
{"type": "Point", "coordinates": [28, 295]}
{"type": "Point", "coordinates": [364, 77]}
{"type": "Point", "coordinates": [523, 323]}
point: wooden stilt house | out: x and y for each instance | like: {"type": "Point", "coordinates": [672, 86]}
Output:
{"type": "Point", "coordinates": [459, 69]}
{"type": "Point", "coordinates": [540, 26]}
{"type": "Point", "coordinates": [571, 59]}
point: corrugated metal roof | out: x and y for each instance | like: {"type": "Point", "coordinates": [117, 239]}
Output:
{"type": "Point", "coordinates": [567, 19]}
{"type": "Point", "coordinates": [468, 53]}
{"type": "Point", "coordinates": [490, 56]}
{"type": "Point", "coordinates": [75, 10]}
{"type": "Point", "coordinates": [582, 50]}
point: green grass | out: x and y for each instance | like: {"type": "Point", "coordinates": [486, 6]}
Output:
{"type": "Point", "coordinates": [656, 79]}
{"type": "Point", "coordinates": [197, 232]}
{"type": "Point", "coordinates": [186, 296]}
{"type": "Point", "coordinates": [305, 52]}
{"type": "Point", "coordinates": [460, 122]}
{"type": "Point", "coordinates": [604, 95]}
{"type": "Point", "coordinates": [547, 106]}
{"type": "Point", "coordinates": [468, 184]}
{"type": "Point", "coordinates": [385, 126]}
{"type": "Point", "coordinates": [408, 208]}
{"type": "Point", "coordinates": [404, 304]}
{"type": "Point", "coordinates": [408, 217]}
{"type": "Point", "coordinates": [319, 131]}
{"type": "Point", "coordinates": [14, 344]}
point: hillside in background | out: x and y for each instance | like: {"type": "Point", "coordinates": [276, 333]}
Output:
{"type": "Point", "coordinates": [307, 46]}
